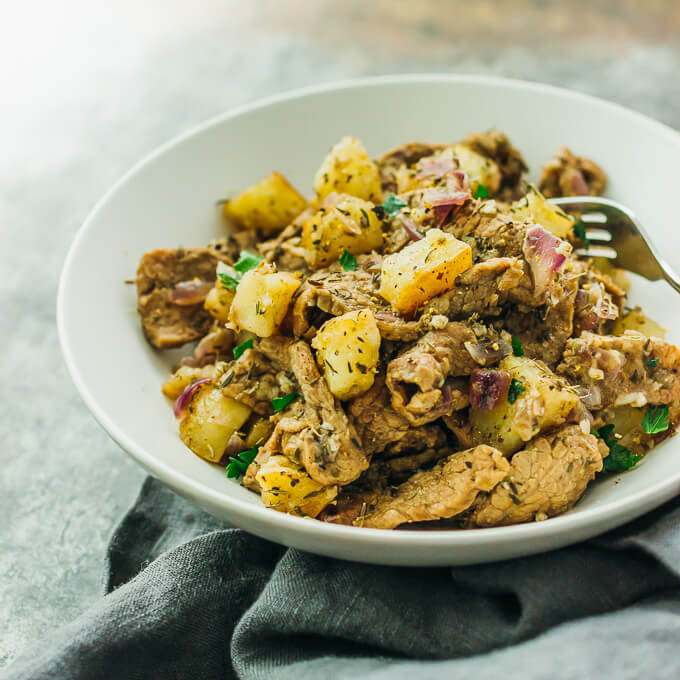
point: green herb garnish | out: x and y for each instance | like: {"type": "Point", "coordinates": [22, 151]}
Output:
{"type": "Point", "coordinates": [517, 348]}
{"type": "Point", "coordinates": [247, 261]}
{"type": "Point", "coordinates": [240, 349]}
{"type": "Point", "coordinates": [516, 388]}
{"type": "Point", "coordinates": [348, 261]}
{"type": "Point", "coordinates": [620, 457]}
{"type": "Point", "coordinates": [579, 230]}
{"type": "Point", "coordinates": [392, 205]}
{"type": "Point", "coordinates": [228, 281]}
{"type": "Point", "coordinates": [652, 363]}
{"type": "Point", "coordinates": [238, 465]}
{"type": "Point", "coordinates": [482, 192]}
{"type": "Point", "coordinates": [656, 419]}
{"type": "Point", "coordinates": [279, 403]}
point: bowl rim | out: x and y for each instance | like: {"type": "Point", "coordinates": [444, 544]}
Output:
{"type": "Point", "coordinates": [445, 538]}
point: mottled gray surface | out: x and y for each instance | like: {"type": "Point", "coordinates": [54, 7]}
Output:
{"type": "Point", "coordinates": [96, 90]}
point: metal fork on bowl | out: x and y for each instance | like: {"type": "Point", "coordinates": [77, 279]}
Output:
{"type": "Point", "coordinates": [614, 232]}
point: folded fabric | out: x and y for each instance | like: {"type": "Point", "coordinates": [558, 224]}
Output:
{"type": "Point", "coordinates": [188, 598]}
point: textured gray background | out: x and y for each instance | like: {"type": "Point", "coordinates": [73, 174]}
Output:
{"type": "Point", "coordinates": [87, 90]}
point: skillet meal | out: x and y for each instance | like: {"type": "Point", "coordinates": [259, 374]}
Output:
{"type": "Point", "coordinates": [424, 339]}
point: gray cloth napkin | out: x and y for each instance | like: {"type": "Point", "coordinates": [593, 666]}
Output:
{"type": "Point", "coordinates": [187, 598]}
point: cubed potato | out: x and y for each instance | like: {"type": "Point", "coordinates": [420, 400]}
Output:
{"type": "Point", "coordinates": [618, 276]}
{"type": "Point", "coordinates": [270, 205]}
{"type": "Point", "coordinates": [259, 432]}
{"type": "Point", "coordinates": [349, 224]}
{"type": "Point", "coordinates": [545, 402]}
{"type": "Point", "coordinates": [210, 420]}
{"type": "Point", "coordinates": [636, 320]}
{"type": "Point", "coordinates": [262, 299]}
{"type": "Point", "coordinates": [423, 269]}
{"type": "Point", "coordinates": [185, 376]}
{"type": "Point", "coordinates": [219, 299]}
{"type": "Point", "coordinates": [480, 169]}
{"type": "Point", "coordinates": [347, 169]}
{"type": "Point", "coordinates": [286, 487]}
{"type": "Point", "coordinates": [535, 206]}
{"type": "Point", "coordinates": [347, 349]}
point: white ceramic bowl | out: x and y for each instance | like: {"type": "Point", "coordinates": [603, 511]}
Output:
{"type": "Point", "coordinates": [168, 199]}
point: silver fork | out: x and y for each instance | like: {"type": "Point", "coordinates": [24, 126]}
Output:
{"type": "Point", "coordinates": [615, 233]}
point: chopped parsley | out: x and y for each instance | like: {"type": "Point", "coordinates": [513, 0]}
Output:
{"type": "Point", "coordinates": [279, 403]}
{"type": "Point", "coordinates": [348, 261]}
{"type": "Point", "coordinates": [516, 388]}
{"type": "Point", "coordinates": [240, 349]}
{"type": "Point", "coordinates": [579, 230]}
{"type": "Point", "coordinates": [228, 281]}
{"type": "Point", "coordinates": [247, 261]}
{"type": "Point", "coordinates": [392, 205]}
{"type": "Point", "coordinates": [482, 192]}
{"type": "Point", "coordinates": [656, 419]}
{"type": "Point", "coordinates": [517, 348]}
{"type": "Point", "coordinates": [238, 465]}
{"type": "Point", "coordinates": [652, 363]}
{"type": "Point", "coordinates": [620, 457]}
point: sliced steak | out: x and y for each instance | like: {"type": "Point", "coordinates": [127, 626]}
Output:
{"type": "Point", "coordinates": [545, 479]}
{"type": "Point", "coordinates": [568, 175]}
{"type": "Point", "coordinates": [448, 489]}
{"type": "Point", "coordinates": [626, 370]}
{"type": "Point", "coordinates": [330, 292]}
{"type": "Point", "coordinates": [166, 321]}
{"type": "Point", "coordinates": [422, 379]}
{"type": "Point", "coordinates": [381, 428]}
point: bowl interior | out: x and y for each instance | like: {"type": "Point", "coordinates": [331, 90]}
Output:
{"type": "Point", "coordinates": [169, 200]}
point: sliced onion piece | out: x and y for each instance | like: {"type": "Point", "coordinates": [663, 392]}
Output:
{"type": "Point", "coordinates": [545, 254]}
{"type": "Point", "coordinates": [410, 227]}
{"type": "Point", "coordinates": [485, 353]}
{"type": "Point", "coordinates": [183, 400]}
{"type": "Point", "coordinates": [188, 293]}
{"type": "Point", "coordinates": [488, 388]}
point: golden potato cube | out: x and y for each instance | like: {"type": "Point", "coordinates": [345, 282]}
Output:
{"type": "Point", "coordinates": [185, 376]}
{"type": "Point", "coordinates": [286, 487]}
{"type": "Point", "coordinates": [480, 169]}
{"type": "Point", "coordinates": [219, 299]}
{"type": "Point", "coordinates": [262, 299]}
{"type": "Point", "coordinates": [545, 402]}
{"type": "Point", "coordinates": [270, 205]}
{"type": "Point", "coordinates": [210, 420]}
{"type": "Point", "coordinates": [259, 432]}
{"type": "Point", "coordinates": [536, 207]}
{"type": "Point", "coordinates": [347, 169]}
{"type": "Point", "coordinates": [636, 320]}
{"type": "Point", "coordinates": [423, 269]}
{"type": "Point", "coordinates": [347, 349]}
{"type": "Point", "coordinates": [349, 225]}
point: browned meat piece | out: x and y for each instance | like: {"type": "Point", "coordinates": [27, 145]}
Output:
{"type": "Point", "coordinates": [285, 249]}
{"type": "Point", "coordinates": [276, 348]}
{"type": "Point", "coordinates": [459, 424]}
{"type": "Point", "coordinates": [545, 479]}
{"type": "Point", "coordinates": [598, 301]}
{"type": "Point", "coordinates": [252, 380]}
{"type": "Point", "coordinates": [630, 369]}
{"type": "Point", "coordinates": [420, 378]}
{"type": "Point", "coordinates": [404, 155]}
{"type": "Point", "coordinates": [214, 346]}
{"type": "Point", "coordinates": [448, 489]}
{"type": "Point", "coordinates": [167, 323]}
{"type": "Point", "coordinates": [331, 293]}
{"type": "Point", "coordinates": [380, 427]}
{"type": "Point", "coordinates": [316, 432]}
{"type": "Point", "coordinates": [544, 332]}
{"type": "Point", "coordinates": [481, 290]}
{"type": "Point", "coordinates": [568, 175]}
{"type": "Point", "coordinates": [496, 146]}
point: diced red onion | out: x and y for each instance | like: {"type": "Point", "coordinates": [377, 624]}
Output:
{"type": "Point", "coordinates": [590, 396]}
{"type": "Point", "coordinates": [444, 199]}
{"type": "Point", "coordinates": [410, 227]}
{"type": "Point", "coordinates": [183, 400]}
{"type": "Point", "coordinates": [189, 292]}
{"type": "Point", "coordinates": [579, 187]}
{"type": "Point", "coordinates": [484, 353]}
{"type": "Point", "coordinates": [219, 341]}
{"type": "Point", "coordinates": [447, 396]}
{"type": "Point", "coordinates": [545, 254]}
{"type": "Point", "coordinates": [603, 305]}
{"type": "Point", "coordinates": [488, 388]}
{"type": "Point", "coordinates": [436, 166]}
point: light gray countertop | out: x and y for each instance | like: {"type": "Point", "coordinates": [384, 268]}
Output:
{"type": "Point", "coordinates": [87, 91]}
